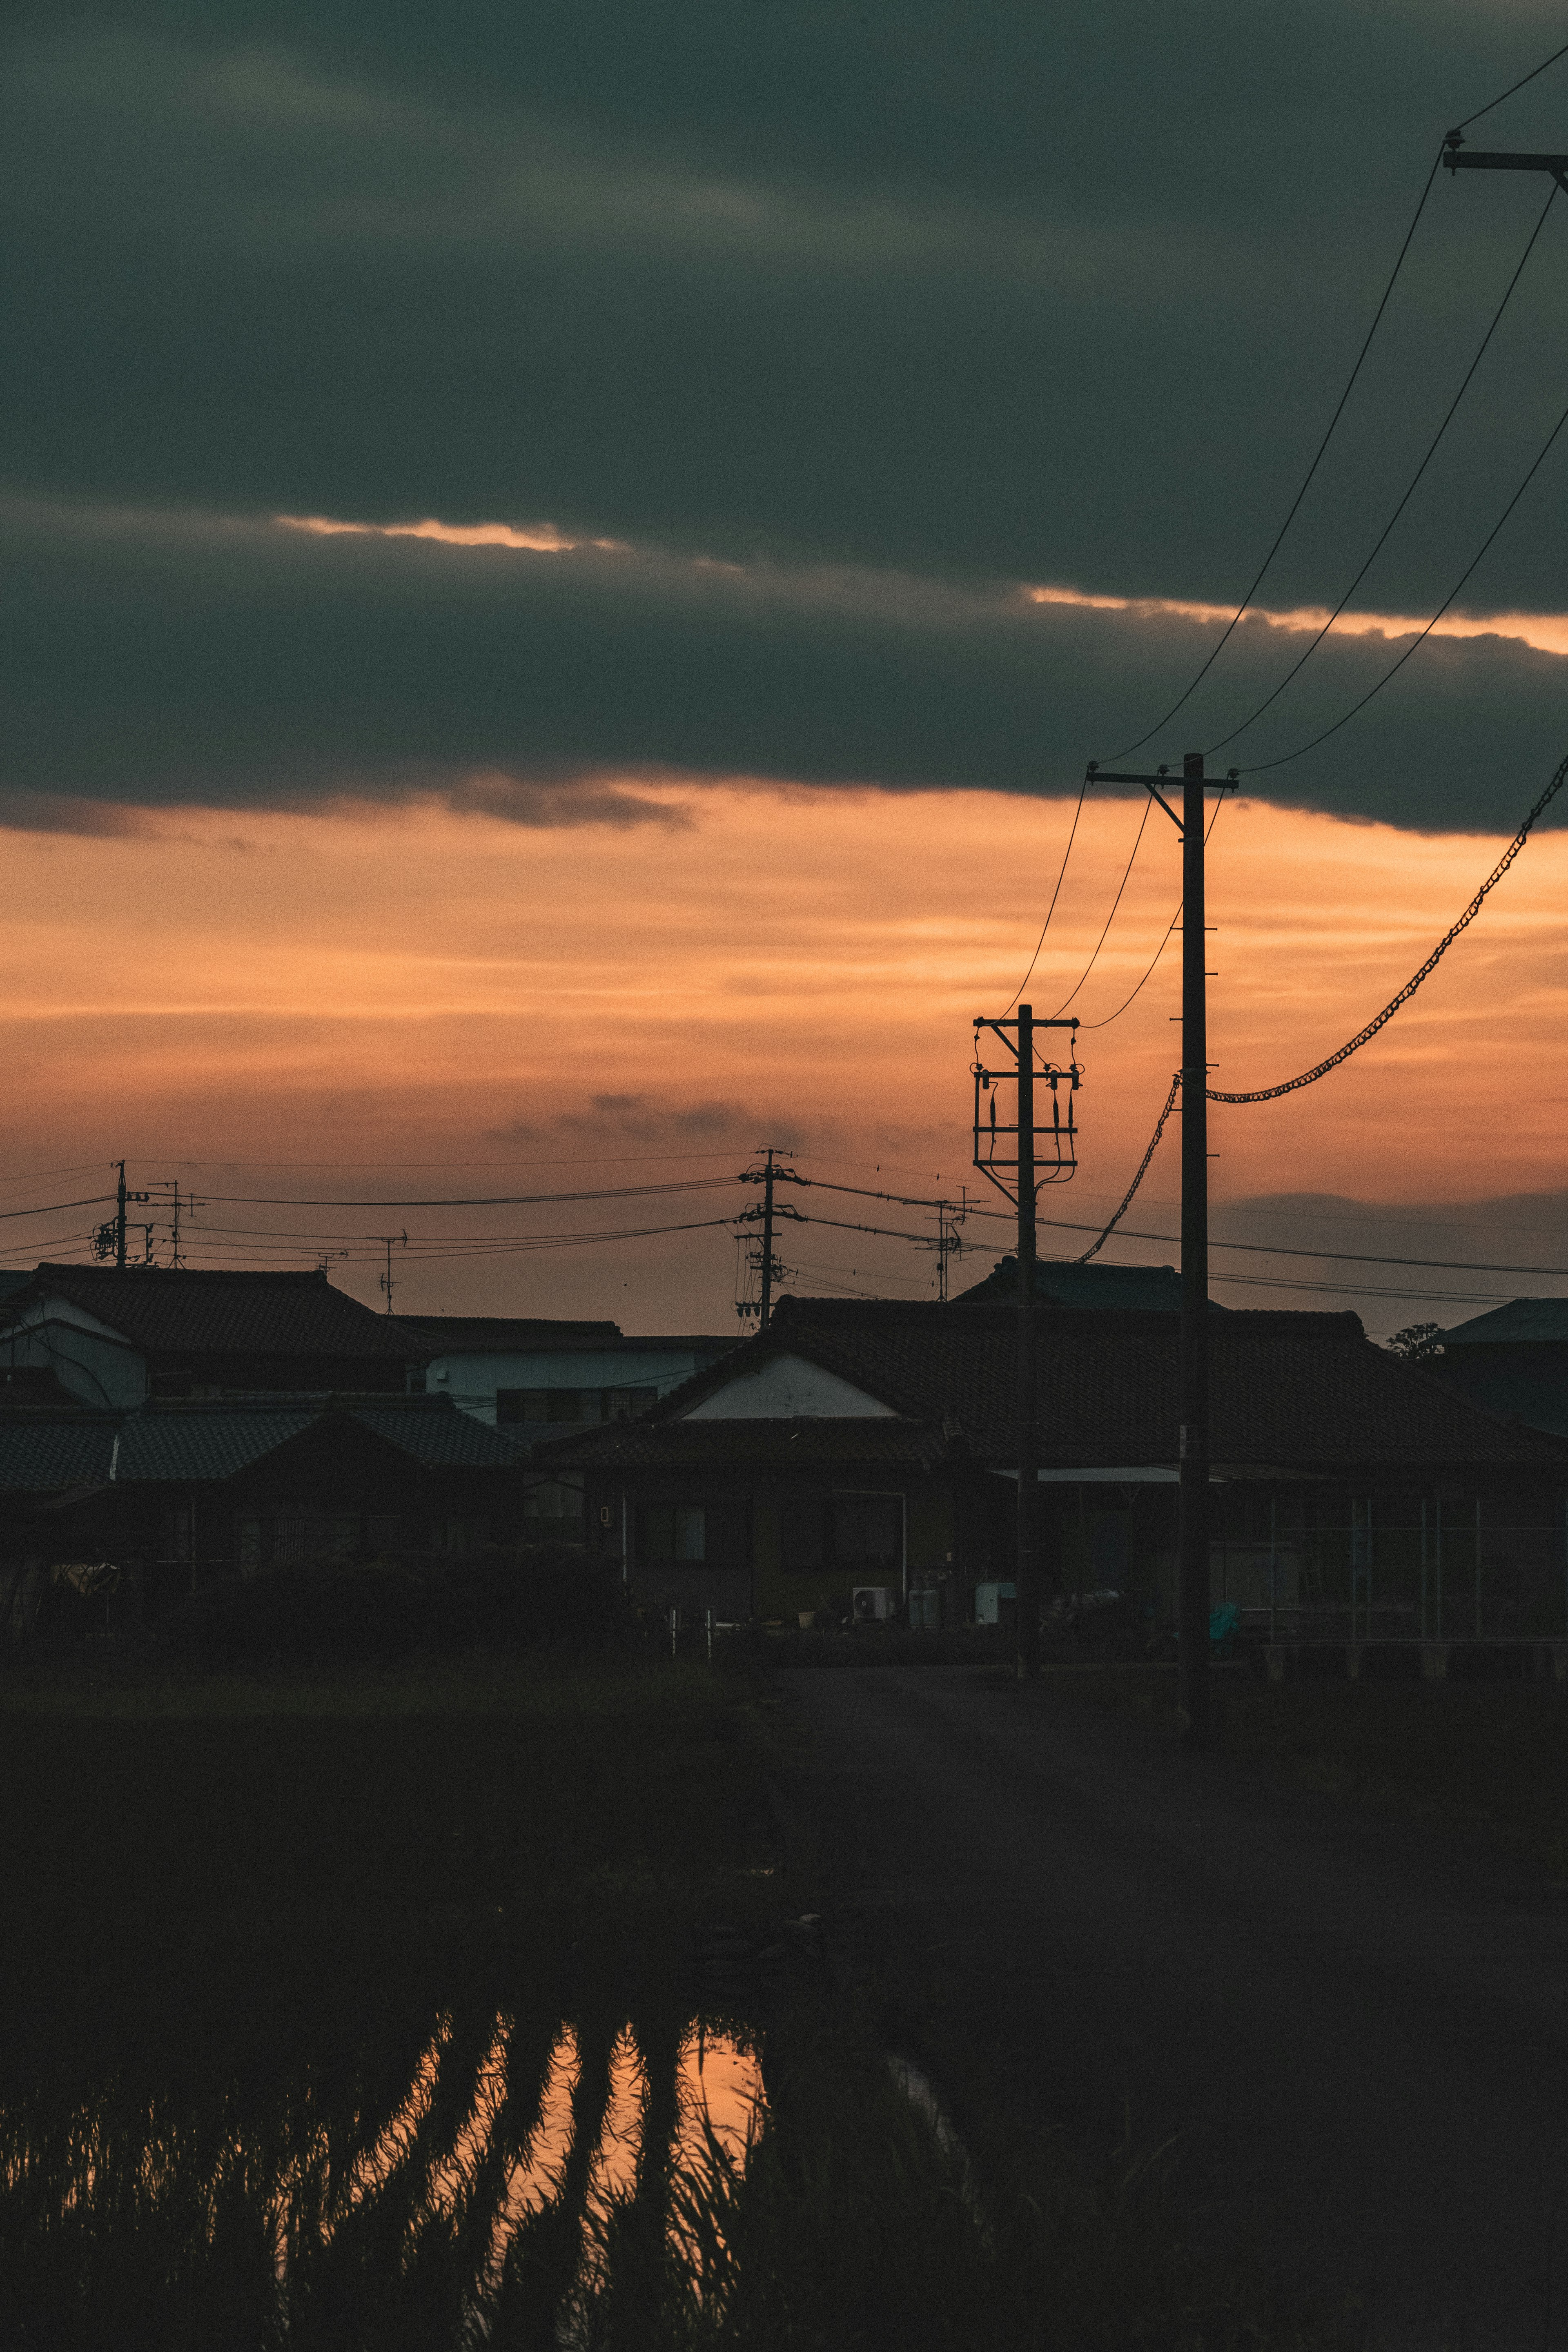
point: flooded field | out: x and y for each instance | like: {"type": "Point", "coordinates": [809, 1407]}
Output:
{"type": "Point", "coordinates": [373, 2153]}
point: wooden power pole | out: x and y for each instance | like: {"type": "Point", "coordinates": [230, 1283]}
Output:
{"type": "Point", "coordinates": [1193, 1442]}
{"type": "Point", "coordinates": [1019, 1035]}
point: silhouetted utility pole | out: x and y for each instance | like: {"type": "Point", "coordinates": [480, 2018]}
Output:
{"type": "Point", "coordinates": [1024, 1168]}
{"type": "Point", "coordinates": [1192, 1448]}
{"type": "Point", "coordinates": [108, 1239]}
{"type": "Point", "coordinates": [767, 1305]}
{"type": "Point", "coordinates": [767, 1176]}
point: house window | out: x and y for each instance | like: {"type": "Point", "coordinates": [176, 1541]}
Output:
{"type": "Point", "coordinates": [288, 1540]}
{"type": "Point", "coordinates": [247, 1544]}
{"type": "Point", "coordinates": [625, 1404]}
{"type": "Point", "coordinates": [342, 1536]}
{"type": "Point", "coordinates": [673, 1535]}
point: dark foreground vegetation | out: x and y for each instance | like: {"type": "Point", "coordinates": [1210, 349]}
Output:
{"type": "Point", "coordinates": [358, 2003]}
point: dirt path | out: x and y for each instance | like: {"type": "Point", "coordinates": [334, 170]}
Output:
{"type": "Point", "coordinates": [1360, 2026]}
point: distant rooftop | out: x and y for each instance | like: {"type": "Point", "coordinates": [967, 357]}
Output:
{"type": "Point", "coordinates": [192, 1310]}
{"type": "Point", "coordinates": [1147, 1289]}
{"type": "Point", "coordinates": [1541, 1321]}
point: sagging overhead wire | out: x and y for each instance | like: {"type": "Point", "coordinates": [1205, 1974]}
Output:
{"type": "Point", "coordinates": [1165, 941]}
{"type": "Point", "coordinates": [1126, 878]}
{"type": "Point", "coordinates": [496, 1200]}
{"type": "Point", "coordinates": [1263, 766]}
{"type": "Point", "coordinates": [1245, 605]}
{"type": "Point", "coordinates": [1051, 910]}
{"type": "Point", "coordinates": [1432, 447]}
{"type": "Point", "coordinates": [1363, 1036]}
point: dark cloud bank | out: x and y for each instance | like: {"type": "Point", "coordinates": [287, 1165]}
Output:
{"type": "Point", "coordinates": [845, 321]}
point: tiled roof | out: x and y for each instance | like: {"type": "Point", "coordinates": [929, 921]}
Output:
{"type": "Point", "coordinates": [441, 1435]}
{"type": "Point", "coordinates": [1289, 1390]}
{"type": "Point", "coordinates": [201, 1443]}
{"type": "Point", "coordinates": [1531, 1320]}
{"type": "Point", "coordinates": [174, 1443]}
{"type": "Point", "coordinates": [1154, 1289]}
{"type": "Point", "coordinates": [197, 1313]}
{"type": "Point", "coordinates": [40, 1457]}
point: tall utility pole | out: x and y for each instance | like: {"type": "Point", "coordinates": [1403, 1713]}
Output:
{"type": "Point", "coordinates": [1020, 1043]}
{"type": "Point", "coordinates": [108, 1239]}
{"type": "Point", "coordinates": [1193, 1445]}
{"type": "Point", "coordinates": [767, 1308]}
{"type": "Point", "coordinates": [767, 1265]}
{"type": "Point", "coordinates": [1026, 1655]}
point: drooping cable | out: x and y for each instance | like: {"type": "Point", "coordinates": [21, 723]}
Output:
{"type": "Point", "coordinates": [1363, 1036]}
{"type": "Point", "coordinates": [1127, 1198]}
{"type": "Point", "coordinates": [1051, 910]}
{"type": "Point", "coordinates": [1164, 943]}
{"type": "Point", "coordinates": [1285, 758]}
{"type": "Point", "coordinates": [1432, 447]}
{"type": "Point", "coordinates": [1126, 878]}
{"type": "Point", "coordinates": [1245, 605]}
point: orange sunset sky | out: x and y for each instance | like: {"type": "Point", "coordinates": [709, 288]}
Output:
{"type": "Point", "coordinates": [560, 570]}
{"type": "Point", "coordinates": [468, 1000]}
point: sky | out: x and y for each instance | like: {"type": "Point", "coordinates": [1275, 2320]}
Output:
{"type": "Point", "coordinates": [562, 567]}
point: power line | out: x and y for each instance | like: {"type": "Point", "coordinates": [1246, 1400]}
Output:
{"type": "Point", "coordinates": [1284, 761]}
{"type": "Point", "coordinates": [1116, 902]}
{"type": "Point", "coordinates": [1409, 493]}
{"type": "Point", "coordinates": [1055, 894]}
{"type": "Point", "coordinates": [1513, 89]}
{"type": "Point", "coordinates": [496, 1200]}
{"type": "Point", "coordinates": [1363, 1036]}
{"type": "Point", "coordinates": [1164, 943]}
{"type": "Point", "coordinates": [1306, 483]}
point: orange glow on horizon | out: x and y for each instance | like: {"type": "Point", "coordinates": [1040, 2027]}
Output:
{"type": "Point", "coordinates": [799, 966]}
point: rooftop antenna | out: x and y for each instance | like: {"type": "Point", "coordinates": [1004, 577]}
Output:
{"type": "Point", "coordinates": [389, 1241]}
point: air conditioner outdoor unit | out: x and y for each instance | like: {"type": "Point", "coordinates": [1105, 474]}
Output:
{"type": "Point", "coordinates": [872, 1602]}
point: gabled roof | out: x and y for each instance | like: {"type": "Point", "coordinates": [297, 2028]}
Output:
{"type": "Point", "coordinates": [172, 1442]}
{"type": "Point", "coordinates": [1302, 1391]}
{"type": "Point", "coordinates": [1530, 1320]}
{"type": "Point", "coordinates": [195, 1312]}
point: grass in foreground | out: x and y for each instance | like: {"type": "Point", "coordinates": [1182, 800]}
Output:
{"type": "Point", "coordinates": [297, 1794]}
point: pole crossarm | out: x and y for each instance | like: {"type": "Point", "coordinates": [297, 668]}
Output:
{"type": "Point", "coordinates": [1096, 774]}
{"type": "Point", "coordinates": [1459, 158]}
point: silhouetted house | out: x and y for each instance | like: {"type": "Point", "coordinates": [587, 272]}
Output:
{"type": "Point", "coordinates": [176, 1495]}
{"type": "Point", "coordinates": [873, 1443]}
{"type": "Point", "coordinates": [538, 1379]}
{"type": "Point", "coordinates": [115, 1337]}
{"type": "Point", "coordinates": [1513, 1360]}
